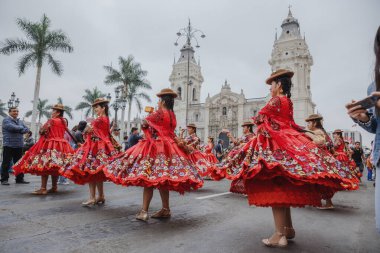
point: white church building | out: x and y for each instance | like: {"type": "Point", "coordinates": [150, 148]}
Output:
{"type": "Point", "coordinates": [228, 109]}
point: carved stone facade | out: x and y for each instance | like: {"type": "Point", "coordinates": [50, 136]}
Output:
{"type": "Point", "coordinates": [228, 109]}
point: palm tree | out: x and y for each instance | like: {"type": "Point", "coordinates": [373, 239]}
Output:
{"type": "Point", "coordinates": [89, 98]}
{"type": "Point", "coordinates": [135, 95]}
{"type": "Point", "coordinates": [43, 110]}
{"type": "Point", "coordinates": [68, 109]}
{"type": "Point", "coordinates": [129, 73]}
{"type": "Point", "coordinates": [3, 109]}
{"type": "Point", "coordinates": [40, 42]}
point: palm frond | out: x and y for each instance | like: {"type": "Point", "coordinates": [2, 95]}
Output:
{"type": "Point", "coordinates": [2, 109]}
{"type": "Point", "coordinates": [45, 23]}
{"type": "Point", "coordinates": [56, 66]}
{"type": "Point", "coordinates": [42, 108]}
{"type": "Point", "coordinates": [15, 45]}
{"type": "Point", "coordinates": [47, 114]}
{"type": "Point", "coordinates": [138, 104]}
{"type": "Point", "coordinates": [28, 114]}
{"type": "Point", "coordinates": [82, 105]}
{"type": "Point", "coordinates": [144, 96]}
{"type": "Point", "coordinates": [88, 111]}
{"type": "Point", "coordinates": [113, 76]}
{"type": "Point", "coordinates": [30, 29]}
{"type": "Point", "coordinates": [58, 41]}
{"type": "Point", "coordinates": [69, 114]}
{"type": "Point", "coordinates": [25, 62]}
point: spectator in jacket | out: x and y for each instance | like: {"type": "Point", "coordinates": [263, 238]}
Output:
{"type": "Point", "coordinates": [13, 131]}
{"type": "Point", "coordinates": [133, 138]}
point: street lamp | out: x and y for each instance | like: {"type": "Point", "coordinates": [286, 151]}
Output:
{"type": "Point", "coordinates": [17, 102]}
{"type": "Point", "coordinates": [119, 103]}
{"type": "Point", "coordinates": [190, 34]}
{"type": "Point", "coordinates": [13, 102]}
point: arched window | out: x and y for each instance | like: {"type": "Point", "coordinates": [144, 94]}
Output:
{"type": "Point", "coordinates": [196, 117]}
{"type": "Point", "coordinates": [179, 91]}
{"type": "Point", "coordinates": [194, 94]}
{"type": "Point", "coordinates": [224, 111]}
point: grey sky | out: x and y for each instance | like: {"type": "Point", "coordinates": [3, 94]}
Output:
{"type": "Point", "coordinates": [238, 45]}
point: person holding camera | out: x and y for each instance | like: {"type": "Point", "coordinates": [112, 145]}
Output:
{"type": "Point", "coordinates": [369, 119]}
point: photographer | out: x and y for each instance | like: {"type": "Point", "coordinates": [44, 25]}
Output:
{"type": "Point", "coordinates": [370, 120]}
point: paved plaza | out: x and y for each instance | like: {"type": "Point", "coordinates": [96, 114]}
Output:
{"type": "Point", "coordinates": [208, 220]}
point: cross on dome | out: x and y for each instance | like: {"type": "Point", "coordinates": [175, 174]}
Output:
{"type": "Point", "coordinates": [290, 12]}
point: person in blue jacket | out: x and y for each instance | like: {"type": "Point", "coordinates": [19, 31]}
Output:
{"type": "Point", "coordinates": [370, 121]}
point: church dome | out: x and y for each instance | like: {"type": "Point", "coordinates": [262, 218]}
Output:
{"type": "Point", "coordinates": [289, 19]}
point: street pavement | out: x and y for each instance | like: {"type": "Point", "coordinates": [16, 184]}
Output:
{"type": "Point", "coordinates": [207, 220]}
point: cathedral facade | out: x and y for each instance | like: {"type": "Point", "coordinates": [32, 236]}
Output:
{"type": "Point", "coordinates": [228, 109]}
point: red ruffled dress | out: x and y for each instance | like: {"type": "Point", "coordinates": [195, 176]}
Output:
{"type": "Point", "coordinates": [198, 157]}
{"type": "Point", "coordinates": [50, 153]}
{"type": "Point", "coordinates": [327, 145]}
{"type": "Point", "coordinates": [342, 155]}
{"type": "Point", "coordinates": [282, 167]}
{"type": "Point", "coordinates": [157, 160]}
{"type": "Point", "coordinates": [85, 164]}
{"type": "Point", "coordinates": [238, 144]}
{"type": "Point", "coordinates": [237, 185]}
{"type": "Point", "coordinates": [210, 157]}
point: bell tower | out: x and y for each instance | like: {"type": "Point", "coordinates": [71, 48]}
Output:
{"type": "Point", "coordinates": [186, 78]}
{"type": "Point", "coordinates": [291, 52]}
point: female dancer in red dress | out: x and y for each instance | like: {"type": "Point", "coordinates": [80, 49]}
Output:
{"type": "Point", "coordinates": [282, 167]}
{"type": "Point", "coordinates": [211, 158]}
{"type": "Point", "coordinates": [191, 143]}
{"type": "Point", "coordinates": [343, 152]}
{"type": "Point", "coordinates": [49, 154]}
{"type": "Point", "coordinates": [85, 164]}
{"type": "Point", "coordinates": [191, 139]}
{"type": "Point", "coordinates": [156, 161]}
{"type": "Point", "coordinates": [247, 135]}
{"type": "Point", "coordinates": [235, 153]}
{"type": "Point", "coordinates": [237, 185]}
{"type": "Point", "coordinates": [320, 137]}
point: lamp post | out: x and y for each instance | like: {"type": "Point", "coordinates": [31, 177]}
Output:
{"type": "Point", "coordinates": [190, 34]}
{"type": "Point", "coordinates": [109, 97]}
{"type": "Point", "coordinates": [119, 103]}
{"type": "Point", "coordinates": [13, 101]}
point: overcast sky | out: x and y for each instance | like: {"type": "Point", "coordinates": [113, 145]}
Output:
{"type": "Point", "coordinates": [240, 36]}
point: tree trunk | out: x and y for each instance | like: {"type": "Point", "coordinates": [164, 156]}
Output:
{"type": "Point", "coordinates": [123, 123]}
{"type": "Point", "coordinates": [37, 127]}
{"type": "Point", "coordinates": [35, 101]}
{"type": "Point", "coordinates": [129, 117]}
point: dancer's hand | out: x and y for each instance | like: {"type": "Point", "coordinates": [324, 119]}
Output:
{"type": "Point", "coordinates": [88, 129]}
